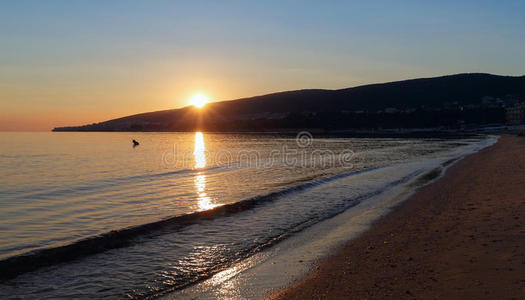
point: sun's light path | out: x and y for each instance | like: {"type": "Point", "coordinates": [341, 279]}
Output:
{"type": "Point", "coordinates": [198, 152]}
{"type": "Point", "coordinates": [204, 201]}
{"type": "Point", "coordinates": [199, 100]}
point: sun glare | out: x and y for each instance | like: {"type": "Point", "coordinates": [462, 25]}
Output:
{"type": "Point", "coordinates": [199, 100]}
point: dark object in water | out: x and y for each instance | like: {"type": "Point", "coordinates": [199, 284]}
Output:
{"type": "Point", "coordinates": [135, 143]}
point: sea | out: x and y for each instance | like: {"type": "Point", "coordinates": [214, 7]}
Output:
{"type": "Point", "coordinates": [91, 215]}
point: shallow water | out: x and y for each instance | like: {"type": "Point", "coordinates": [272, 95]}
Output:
{"type": "Point", "coordinates": [182, 206]}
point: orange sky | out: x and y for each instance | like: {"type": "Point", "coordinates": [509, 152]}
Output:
{"type": "Point", "coordinates": [33, 106]}
{"type": "Point", "coordinates": [75, 93]}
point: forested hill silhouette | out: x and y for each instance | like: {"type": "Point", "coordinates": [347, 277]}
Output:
{"type": "Point", "coordinates": [451, 101]}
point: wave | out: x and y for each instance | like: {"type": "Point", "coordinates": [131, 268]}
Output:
{"type": "Point", "coordinates": [33, 260]}
{"type": "Point", "coordinates": [295, 228]}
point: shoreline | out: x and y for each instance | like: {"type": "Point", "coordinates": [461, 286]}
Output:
{"type": "Point", "coordinates": [458, 237]}
{"type": "Point", "coordinates": [295, 257]}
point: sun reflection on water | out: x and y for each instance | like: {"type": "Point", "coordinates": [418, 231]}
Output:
{"type": "Point", "coordinates": [198, 152]}
{"type": "Point", "coordinates": [204, 201]}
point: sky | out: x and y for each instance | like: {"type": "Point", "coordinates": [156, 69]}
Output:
{"type": "Point", "coordinates": [79, 62]}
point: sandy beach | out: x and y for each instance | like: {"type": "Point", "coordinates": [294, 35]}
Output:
{"type": "Point", "coordinates": [461, 237]}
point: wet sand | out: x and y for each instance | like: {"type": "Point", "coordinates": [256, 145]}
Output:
{"type": "Point", "coordinates": [462, 237]}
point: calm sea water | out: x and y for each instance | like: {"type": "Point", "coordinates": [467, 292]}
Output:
{"type": "Point", "coordinates": [86, 215]}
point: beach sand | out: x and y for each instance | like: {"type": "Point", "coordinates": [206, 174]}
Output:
{"type": "Point", "coordinates": [461, 237]}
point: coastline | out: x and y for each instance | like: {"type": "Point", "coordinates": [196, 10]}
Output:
{"type": "Point", "coordinates": [295, 257]}
{"type": "Point", "coordinates": [458, 237]}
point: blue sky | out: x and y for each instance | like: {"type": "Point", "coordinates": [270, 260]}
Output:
{"type": "Point", "coordinates": [75, 62]}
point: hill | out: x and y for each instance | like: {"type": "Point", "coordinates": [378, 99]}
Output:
{"type": "Point", "coordinates": [447, 101]}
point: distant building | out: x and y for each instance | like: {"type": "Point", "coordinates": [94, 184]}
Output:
{"type": "Point", "coordinates": [486, 100]}
{"type": "Point", "coordinates": [391, 110]}
{"type": "Point", "coordinates": [515, 115]}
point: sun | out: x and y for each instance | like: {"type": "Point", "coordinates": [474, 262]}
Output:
{"type": "Point", "coordinates": [199, 100]}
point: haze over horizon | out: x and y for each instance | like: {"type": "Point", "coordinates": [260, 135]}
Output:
{"type": "Point", "coordinates": [72, 63]}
